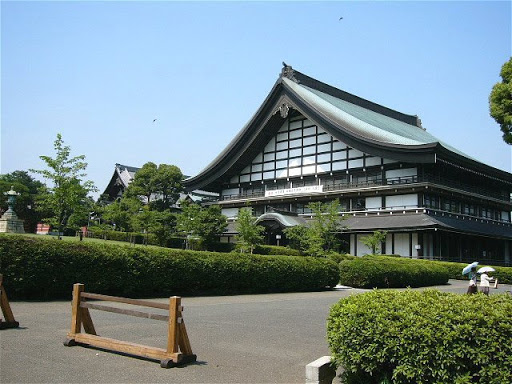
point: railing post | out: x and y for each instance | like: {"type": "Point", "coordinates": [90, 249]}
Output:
{"type": "Point", "coordinates": [172, 341]}
{"type": "Point", "coordinates": [76, 318]}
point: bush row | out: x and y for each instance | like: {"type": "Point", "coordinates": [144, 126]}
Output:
{"type": "Point", "coordinates": [391, 272]}
{"type": "Point", "coordinates": [45, 269]}
{"type": "Point", "coordinates": [179, 242]}
{"type": "Point", "coordinates": [504, 274]}
{"type": "Point", "coordinates": [276, 250]}
{"type": "Point", "coordinates": [133, 237]}
{"type": "Point", "coordinates": [422, 337]}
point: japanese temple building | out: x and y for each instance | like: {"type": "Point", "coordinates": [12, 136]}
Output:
{"type": "Point", "coordinates": [309, 141]}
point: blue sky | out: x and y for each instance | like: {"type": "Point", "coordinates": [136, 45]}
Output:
{"type": "Point", "coordinates": [99, 73]}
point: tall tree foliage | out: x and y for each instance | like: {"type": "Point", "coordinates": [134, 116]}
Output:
{"type": "Point", "coordinates": [67, 194]}
{"type": "Point", "coordinates": [500, 102]}
{"type": "Point", "coordinates": [202, 226]}
{"type": "Point", "coordinates": [374, 241]}
{"type": "Point", "coordinates": [158, 186]}
{"type": "Point", "coordinates": [321, 236]}
{"type": "Point", "coordinates": [121, 213]}
{"type": "Point", "coordinates": [249, 233]}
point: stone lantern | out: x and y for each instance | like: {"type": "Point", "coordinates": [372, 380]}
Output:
{"type": "Point", "coordinates": [9, 221]}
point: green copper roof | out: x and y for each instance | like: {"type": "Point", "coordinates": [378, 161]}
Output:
{"type": "Point", "coordinates": [364, 122]}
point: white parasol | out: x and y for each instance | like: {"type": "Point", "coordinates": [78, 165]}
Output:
{"type": "Point", "coordinates": [486, 269]}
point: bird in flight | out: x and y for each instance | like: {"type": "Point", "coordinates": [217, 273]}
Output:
{"type": "Point", "coordinates": [154, 120]}
{"type": "Point", "coordinates": [341, 18]}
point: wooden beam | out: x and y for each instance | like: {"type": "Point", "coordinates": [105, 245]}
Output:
{"type": "Point", "coordinates": [129, 312]}
{"type": "Point", "coordinates": [142, 303]}
{"type": "Point", "coordinates": [126, 347]}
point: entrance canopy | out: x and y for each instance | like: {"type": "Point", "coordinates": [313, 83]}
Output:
{"type": "Point", "coordinates": [279, 220]}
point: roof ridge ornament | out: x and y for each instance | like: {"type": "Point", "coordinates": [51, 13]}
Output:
{"type": "Point", "coordinates": [284, 109]}
{"type": "Point", "coordinates": [288, 72]}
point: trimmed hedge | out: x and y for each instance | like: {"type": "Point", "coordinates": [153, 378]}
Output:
{"type": "Point", "coordinates": [46, 269]}
{"type": "Point", "coordinates": [136, 237]}
{"type": "Point", "coordinates": [425, 337]}
{"type": "Point", "coordinates": [391, 272]}
{"type": "Point", "coordinates": [339, 257]}
{"type": "Point", "coordinates": [276, 250]}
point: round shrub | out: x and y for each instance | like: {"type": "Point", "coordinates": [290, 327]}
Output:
{"type": "Point", "coordinates": [339, 257]}
{"type": "Point", "coordinates": [422, 337]}
{"type": "Point", "coordinates": [387, 272]}
{"type": "Point", "coordinates": [41, 268]}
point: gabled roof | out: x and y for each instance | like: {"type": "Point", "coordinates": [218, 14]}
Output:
{"type": "Point", "coordinates": [122, 177]}
{"type": "Point", "coordinates": [359, 123]}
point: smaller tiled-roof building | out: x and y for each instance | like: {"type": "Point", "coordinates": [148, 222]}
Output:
{"type": "Point", "coordinates": [124, 175]}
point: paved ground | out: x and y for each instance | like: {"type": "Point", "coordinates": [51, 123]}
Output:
{"type": "Point", "coordinates": [238, 339]}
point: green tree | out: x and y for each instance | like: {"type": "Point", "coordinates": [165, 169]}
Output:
{"type": "Point", "coordinates": [121, 212]}
{"type": "Point", "coordinates": [321, 235]}
{"type": "Point", "coordinates": [145, 221]}
{"type": "Point", "coordinates": [500, 102]}
{"type": "Point", "coordinates": [374, 241]}
{"type": "Point", "coordinates": [143, 184]}
{"type": "Point", "coordinates": [68, 192]}
{"type": "Point", "coordinates": [202, 226]}
{"type": "Point", "coordinates": [158, 186]}
{"type": "Point", "coordinates": [212, 224]}
{"type": "Point", "coordinates": [298, 237]}
{"type": "Point", "coordinates": [168, 185]}
{"type": "Point", "coordinates": [250, 234]}
{"type": "Point", "coordinates": [188, 222]}
{"type": "Point", "coordinates": [25, 205]}
{"type": "Point", "coordinates": [165, 226]}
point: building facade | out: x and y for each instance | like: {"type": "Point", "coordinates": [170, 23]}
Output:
{"type": "Point", "coordinates": [309, 141]}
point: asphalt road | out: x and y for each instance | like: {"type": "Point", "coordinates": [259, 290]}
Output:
{"type": "Point", "coordinates": [237, 339]}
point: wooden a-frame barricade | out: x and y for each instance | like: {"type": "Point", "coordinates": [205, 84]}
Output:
{"type": "Point", "coordinates": [9, 321]}
{"type": "Point", "coordinates": [178, 349]}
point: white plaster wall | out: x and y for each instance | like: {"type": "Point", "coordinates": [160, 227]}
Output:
{"type": "Point", "coordinates": [361, 248]}
{"type": "Point", "coordinates": [230, 212]}
{"type": "Point", "coordinates": [401, 244]}
{"type": "Point", "coordinates": [232, 191]}
{"type": "Point", "coordinates": [414, 243]}
{"type": "Point", "coordinates": [402, 172]}
{"type": "Point", "coordinates": [402, 201]}
{"type": "Point", "coordinates": [374, 202]}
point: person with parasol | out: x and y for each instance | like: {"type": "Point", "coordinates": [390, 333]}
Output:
{"type": "Point", "coordinates": [470, 270]}
{"type": "Point", "coordinates": [485, 279]}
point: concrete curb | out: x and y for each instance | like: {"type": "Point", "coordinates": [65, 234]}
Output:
{"type": "Point", "coordinates": [320, 371]}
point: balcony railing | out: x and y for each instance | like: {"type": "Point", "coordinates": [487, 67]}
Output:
{"type": "Point", "coordinates": [408, 180]}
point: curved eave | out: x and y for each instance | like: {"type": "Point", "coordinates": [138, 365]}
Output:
{"type": "Point", "coordinates": [473, 165]}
